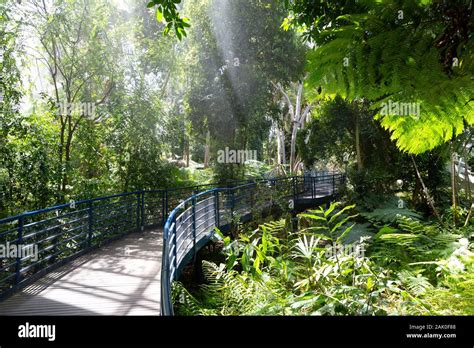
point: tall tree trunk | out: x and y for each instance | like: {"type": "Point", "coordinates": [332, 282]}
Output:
{"type": "Point", "coordinates": [207, 150]}
{"type": "Point", "coordinates": [426, 192]}
{"type": "Point", "coordinates": [60, 161]}
{"type": "Point", "coordinates": [293, 147]}
{"type": "Point", "coordinates": [467, 180]}
{"type": "Point", "coordinates": [297, 117]}
{"type": "Point", "coordinates": [279, 159]}
{"type": "Point", "coordinates": [281, 147]}
{"type": "Point", "coordinates": [186, 151]}
{"type": "Point", "coordinates": [453, 184]}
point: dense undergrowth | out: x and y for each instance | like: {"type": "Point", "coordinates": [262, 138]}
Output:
{"type": "Point", "coordinates": [341, 260]}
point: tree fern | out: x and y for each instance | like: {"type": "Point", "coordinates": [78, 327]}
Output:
{"type": "Point", "coordinates": [224, 293]}
{"type": "Point", "coordinates": [411, 241]}
{"type": "Point", "coordinates": [378, 57]}
{"type": "Point", "coordinates": [416, 283]}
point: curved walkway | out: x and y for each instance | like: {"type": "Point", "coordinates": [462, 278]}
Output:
{"type": "Point", "coordinates": [131, 275]}
{"type": "Point", "coordinates": [121, 278]}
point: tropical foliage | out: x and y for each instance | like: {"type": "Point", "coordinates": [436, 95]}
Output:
{"type": "Point", "coordinates": [407, 267]}
{"type": "Point", "coordinates": [95, 100]}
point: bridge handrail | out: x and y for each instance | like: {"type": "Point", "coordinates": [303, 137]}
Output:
{"type": "Point", "coordinates": [66, 231]}
{"type": "Point", "coordinates": [175, 256]}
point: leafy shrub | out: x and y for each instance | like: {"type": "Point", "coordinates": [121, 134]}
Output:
{"type": "Point", "coordinates": [407, 268]}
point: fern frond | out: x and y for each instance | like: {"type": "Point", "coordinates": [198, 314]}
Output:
{"type": "Point", "coordinates": [416, 283]}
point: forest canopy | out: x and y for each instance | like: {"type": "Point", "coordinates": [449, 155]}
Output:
{"type": "Point", "coordinates": [350, 120]}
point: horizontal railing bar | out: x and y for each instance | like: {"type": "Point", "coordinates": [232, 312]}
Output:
{"type": "Point", "coordinates": [203, 208]}
{"type": "Point", "coordinates": [98, 199]}
{"type": "Point", "coordinates": [43, 260]}
{"type": "Point", "coordinates": [61, 242]}
{"type": "Point", "coordinates": [59, 234]}
{"type": "Point", "coordinates": [205, 221]}
{"type": "Point", "coordinates": [9, 231]}
{"type": "Point", "coordinates": [2, 281]}
{"type": "Point", "coordinates": [34, 234]}
{"type": "Point", "coordinates": [32, 224]}
{"type": "Point", "coordinates": [8, 265]}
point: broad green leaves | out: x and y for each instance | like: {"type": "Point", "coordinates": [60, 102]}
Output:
{"type": "Point", "coordinates": [373, 51]}
{"type": "Point", "coordinates": [167, 10]}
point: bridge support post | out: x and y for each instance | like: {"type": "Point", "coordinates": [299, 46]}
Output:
{"type": "Point", "coordinates": [138, 211]}
{"type": "Point", "coordinates": [194, 228]}
{"type": "Point", "coordinates": [19, 242]}
{"type": "Point", "coordinates": [165, 207]}
{"type": "Point", "coordinates": [90, 212]}
{"type": "Point", "coordinates": [143, 212]}
{"type": "Point", "coordinates": [175, 252]}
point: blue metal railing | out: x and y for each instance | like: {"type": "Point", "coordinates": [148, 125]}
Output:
{"type": "Point", "coordinates": [64, 232]}
{"type": "Point", "coordinates": [192, 223]}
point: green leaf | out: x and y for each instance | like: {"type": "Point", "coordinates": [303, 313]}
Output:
{"type": "Point", "coordinates": [159, 16]}
{"type": "Point", "coordinates": [344, 233]}
{"type": "Point", "coordinates": [385, 230]}
{"type": "Point", "coordinates": [370, 283]}
{"type": "Point", "coordinates": [313, 217]}
{"type": "Point", "coordinates": [340, 212]}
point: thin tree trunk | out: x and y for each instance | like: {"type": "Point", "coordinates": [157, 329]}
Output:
{"type": "Point", "coordinates": [207, 150]}
{"type": "Point", "coordinates": [428, 197]}
{"type": "Point", "coordinates": [186, 152]}
{"type": "Point", "coordinates": [297, 117]}
{"type": "Point", "coordinates": [293, 147]}
{"type": "Point", "coordinates": [453, 185]}
{"type": "Point", "coordinates": [279, 159]}
{"type": "Point", "coordinates": [467, 180]}
{"type": "Point", "coordinates": [283, 148]}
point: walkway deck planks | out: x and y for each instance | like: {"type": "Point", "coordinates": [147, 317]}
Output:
{"type": "Point", "coordinates": [121, 278]}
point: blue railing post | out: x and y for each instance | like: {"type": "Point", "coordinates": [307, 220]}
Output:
{"type": "Point", "coordinates": [90, 212]}
{"type": "Point", "coordinates": [165, 299]}
{"type": "Point", "coordinates": [175, 250]}
{"type": "Point", "coordinates": [216, 202]}
{"type": "Point", "coordinates": [138, 211]}
{"type": "Point", "coordinates": [19, 242]}
{"type": "Point", "coordinates": [163, 217]}
{"type": "Point", "coordinates": [143, 211]}
{"type": "Point", "coordinates": [232, 205]}
{"type": "Point", "coordinates": [193, 202]}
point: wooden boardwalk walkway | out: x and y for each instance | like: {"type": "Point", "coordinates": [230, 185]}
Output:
{"type": "Point", "coordinates": [121, 278]}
